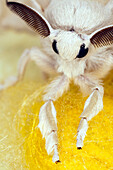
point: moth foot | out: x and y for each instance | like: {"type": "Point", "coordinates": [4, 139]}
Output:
{"type": "Point", "coordinates": [58, 162]}
{"type": "Point", "coordinates": [79, 148]}
{"type": "Point", "coordinates": [56, 158]}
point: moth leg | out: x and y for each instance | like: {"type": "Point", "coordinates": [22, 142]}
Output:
{"type": "Point", "coordinates": [12, 80]}
{"type": "Point", "coordinates": [45, 62]}
{"type": "Point", "coordinates": [48, 128]}
{"type": "Point", "coordinates": [47, 115]}
{"type": "Point", "coordinates": [93, 105]}
{"type": "Point", "coordinates": [35, 54]}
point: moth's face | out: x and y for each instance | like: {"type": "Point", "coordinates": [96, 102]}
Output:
{"type": "Point", "coordinates": [69, 45]}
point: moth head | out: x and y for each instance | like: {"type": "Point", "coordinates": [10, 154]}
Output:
{"type": "Point", "coordinates": [70, 45]}
{"type": "Point", "coordinates": [67, 44]}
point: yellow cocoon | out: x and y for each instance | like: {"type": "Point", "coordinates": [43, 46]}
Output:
{"type": "Point", "coordinates": [21, 143]}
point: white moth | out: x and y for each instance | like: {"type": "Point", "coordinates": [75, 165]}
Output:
{"type": "Point", "coordinates": [78, 45]}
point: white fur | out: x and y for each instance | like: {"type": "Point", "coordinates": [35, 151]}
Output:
{"type": "Point", "coordinates": [83, 14]}
{"type": "Point", "coordinates": [67, 68]}
{"type": "Point", "coordinates": [56, 88]}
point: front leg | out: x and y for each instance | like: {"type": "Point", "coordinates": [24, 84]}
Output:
{"type": "Point", "coordinates": [93, 105]}
{"type": "Point", "coordinates": [47, 115]}
{"type": "Point", "coordinates": [35, 54]}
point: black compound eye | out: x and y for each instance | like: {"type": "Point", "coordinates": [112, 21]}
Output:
{"type": "Point", "coordinates": [83, 51]}
{"type": "Point", "coordinates": [54, 46]}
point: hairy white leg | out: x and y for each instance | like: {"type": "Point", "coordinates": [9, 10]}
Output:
{"type": "Point", "coordinates": [45, 62]}
{"type": "Point", "coordinates": [47, 115]}
{"type": "Point", "coordinates": [35, 54]}
{"type": "Point", "coordinates": [93, 105]}
{"type": "Point", "coordinates": [23, 61]}
{"type": "Point", "coordinates": [48, 128]}
{"type": "Point", "coordinates": [25, 57]}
